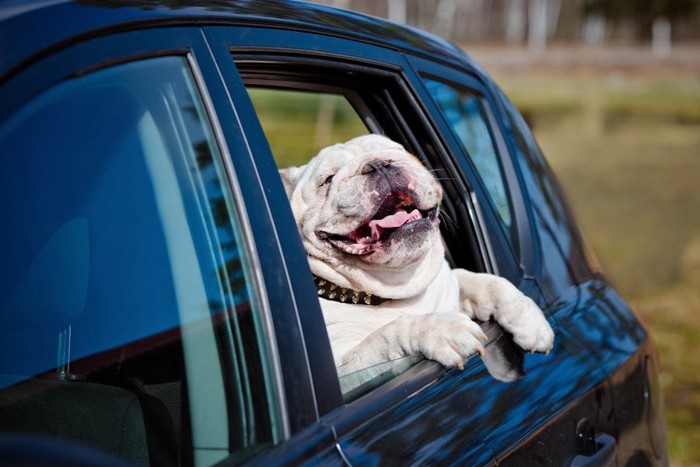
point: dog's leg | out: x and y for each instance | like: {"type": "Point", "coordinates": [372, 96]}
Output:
{"type": "Point", "coordinates": [448, 338]}
{"type": "Point", "coordinates": [485, 296]}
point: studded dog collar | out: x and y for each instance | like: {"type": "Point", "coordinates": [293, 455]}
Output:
{"type": "Point", "coordinates": [330, 291]}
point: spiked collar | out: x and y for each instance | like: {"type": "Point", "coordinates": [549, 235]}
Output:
{"type": "Point", "coordinates": [330, 291]}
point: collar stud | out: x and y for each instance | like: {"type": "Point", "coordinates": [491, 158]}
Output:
{"type": "Point", "coordinates": [330, 291]}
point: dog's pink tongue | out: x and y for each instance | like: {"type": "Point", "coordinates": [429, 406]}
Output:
{"type": "Point", "coordinates": [393, 221]}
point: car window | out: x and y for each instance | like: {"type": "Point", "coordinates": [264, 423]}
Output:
{"type": "Point", "coordinates": [354, 385]}
{"type": "Point", "coordinates": [311, 107]}
{"type": "Point", "coordinates": [128, 316]}
{"type": "Point", "coordinates": [465, 115]}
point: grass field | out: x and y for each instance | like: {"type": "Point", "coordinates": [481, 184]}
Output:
{"type": "Point", "coordinates": [626, 146]}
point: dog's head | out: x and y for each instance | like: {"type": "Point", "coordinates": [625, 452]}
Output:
{"type": "Point", "coordinates": [366, 209]}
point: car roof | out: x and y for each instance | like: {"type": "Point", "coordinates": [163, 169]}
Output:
{"type": "Point", "coordinates": [30, 28]}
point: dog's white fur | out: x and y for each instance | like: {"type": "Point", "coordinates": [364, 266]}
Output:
{"type": "Point", "coordinates": [431, 306]}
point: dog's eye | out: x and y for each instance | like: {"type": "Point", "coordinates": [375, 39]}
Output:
{"type": "Point", "coordinates": [327, 180]}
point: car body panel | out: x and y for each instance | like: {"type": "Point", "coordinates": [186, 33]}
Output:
{"type": "Point", "coordinates": [469, 418]}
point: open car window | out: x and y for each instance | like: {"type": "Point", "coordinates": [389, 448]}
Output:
{"type": "Point", "coordinates": [304, 109]}
{"type": "Point", "coordinates": [298, 124]}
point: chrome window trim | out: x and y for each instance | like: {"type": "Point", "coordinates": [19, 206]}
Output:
{"type": "Point", "coordinates": [281, 409]}
{"type": "Point", "coordinates": [485, 246]}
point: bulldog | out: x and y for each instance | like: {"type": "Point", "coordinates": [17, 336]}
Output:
{"type": "Point", "coordinates": [368, 214]}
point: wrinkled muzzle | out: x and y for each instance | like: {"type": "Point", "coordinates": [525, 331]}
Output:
{"type": "Point", "coordinates": [398, 204]}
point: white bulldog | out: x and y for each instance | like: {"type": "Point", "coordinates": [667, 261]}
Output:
{"type": "Point", "coordinates": [368, 212]}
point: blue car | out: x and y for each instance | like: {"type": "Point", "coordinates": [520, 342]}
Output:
{"type": "Point", "coordinates": [156, 303]}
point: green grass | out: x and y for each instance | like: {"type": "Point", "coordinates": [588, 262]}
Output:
{"type": "Point", "coordinates": [627, 150]}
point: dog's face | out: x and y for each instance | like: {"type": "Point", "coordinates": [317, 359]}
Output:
{"type": "Point", "coordinates": [366, 203]}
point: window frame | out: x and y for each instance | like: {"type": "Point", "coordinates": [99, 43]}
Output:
{"type": "Point", "coordinates": [516, 261]}
{"type": "Point", "coordinates": [485, 116]}
{"type": "Point", "coordinates": [425, 371]}
{"type": "Point", "coordinates": [390, 65]}
{"type": "Point", "coordinates": [288, 45]}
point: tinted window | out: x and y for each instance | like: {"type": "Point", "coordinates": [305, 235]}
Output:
{"type": "Point", "coordinates": [127, 316]}
{"type": "Point", "coordinates": [464, 112]}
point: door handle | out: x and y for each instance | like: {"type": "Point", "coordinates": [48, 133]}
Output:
{"type": "Point", "coordinates": [593, 450]}
{"type": "Point", "coordinates": [603, 457]}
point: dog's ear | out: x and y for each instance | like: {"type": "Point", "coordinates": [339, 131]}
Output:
{"type": "Point", "coordinates": [289, 177]}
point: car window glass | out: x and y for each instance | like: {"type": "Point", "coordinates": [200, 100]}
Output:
{"type": "Point", "coordinates": [464, 112]}
{"type": "Point", "coordinates": [128, 317]}
{"type": "Point", "coordinates": [360, 382]}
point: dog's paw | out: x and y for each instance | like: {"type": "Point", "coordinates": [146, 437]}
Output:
{"type": "Point", "coordinates": [528, 325]}
{"type": "Point", "coordinates": [447, 338]}
{"type": "Point", "coordinates": [484, 296]}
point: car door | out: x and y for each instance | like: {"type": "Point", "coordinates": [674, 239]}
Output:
{"type": "Point", "coordinates": [143, 218]}
{"type": "Point", "coordinates": [426, 414]}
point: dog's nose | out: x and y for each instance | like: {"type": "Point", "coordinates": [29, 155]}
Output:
{"type": "Point", "coordinates": [377, 165]}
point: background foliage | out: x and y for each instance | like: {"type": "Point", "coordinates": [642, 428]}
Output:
{"type": "Point", "coordinates": [539, 22]}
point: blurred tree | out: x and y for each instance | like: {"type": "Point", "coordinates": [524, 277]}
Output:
{"type": "Point", "coordinates": [536, 23]}
{"type": "Point", "coordinates": [397, 11]}
{"type": "Point", "coordinates": [642, 14]}
{"type": "Point", "coordinates": [515, 21]}
{"type": "Point", "coordinates": [444, 17]}
{"type": "Point", "coordinates": [543, 17]}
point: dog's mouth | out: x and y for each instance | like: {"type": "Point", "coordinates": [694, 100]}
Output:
{"type": "Point", "coordinates": [396, 213]}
